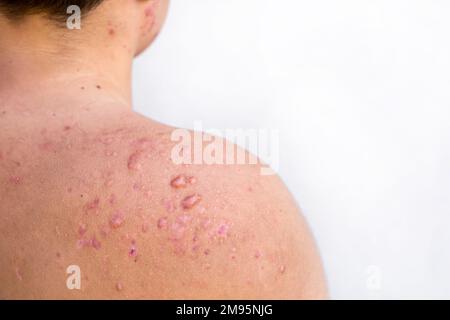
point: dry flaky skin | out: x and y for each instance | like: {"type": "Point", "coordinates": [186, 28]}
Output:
{"type": "Point", "coordinates": [101, 192]}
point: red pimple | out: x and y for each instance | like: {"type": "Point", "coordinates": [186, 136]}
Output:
{"type": "Point", "coordinates": [132, 253]}
{"type": "Point", "coordinates": [191, 201]}
{"type": "Point", "coordinates": [119, 286]}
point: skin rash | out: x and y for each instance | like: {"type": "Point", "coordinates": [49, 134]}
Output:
{"type": "Point", "coordinates": [235, 233]}
{"type": "Point", "coordinates": [86, 182]}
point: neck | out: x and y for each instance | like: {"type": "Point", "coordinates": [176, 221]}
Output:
{"type": "Point", "coordinates": [36, 57]}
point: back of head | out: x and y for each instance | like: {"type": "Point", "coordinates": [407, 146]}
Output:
{"type": "Point", "coordinates": [55, 9]}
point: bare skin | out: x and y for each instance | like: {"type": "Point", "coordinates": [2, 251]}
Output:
{"type": "Point", "coordinates": [86, 181]}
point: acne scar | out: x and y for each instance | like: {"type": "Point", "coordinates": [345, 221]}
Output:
{"type": "Point", "coordinates": [223, 229]}
{"type": "Point", "coordinates": [169, 205]}
{"type": "Point", "coordinates": [134, 161]}
{"type": "Point", "coordinates": [162, 223]}
{"type": "Point", "coordinates": [177, 231]}
{"type": "Point", "coordinates": [82, 229]}
{"type": "Point", "coordinates": [117, 220]}
{"type": "Point", "coordinates": [95, 243]}
{"type": "Point", "coordinates": [15, 180]}
{"type": "Point", "coordinates": [18, 274]}
{"type": "Point", "coordinates": [191, 201]}
{"type": "Point", "coordinates": [92, 206]}
{"type": "Point", "coordinates": [112, 199]}
{"type": "Point", "coordinates": [182, 181]}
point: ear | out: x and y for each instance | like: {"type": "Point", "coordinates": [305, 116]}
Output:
{"type": "Point", "coordinates": [152, 14]}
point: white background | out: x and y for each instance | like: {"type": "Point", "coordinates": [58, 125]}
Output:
{"type": "Point", "coordinates": [360, 91]}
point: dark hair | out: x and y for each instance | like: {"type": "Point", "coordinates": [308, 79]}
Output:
{"type": "Point", "coordinates": [55, 9]}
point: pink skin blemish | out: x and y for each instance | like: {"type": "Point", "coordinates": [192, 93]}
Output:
{"type": "Point", "coordinates": [137, 186]}
{"type": "Point", "coordinates": [132, 253]}
{"type": "Point", "coordinates": [82, 229]}
{"type": "Point", "coordinates": [47, 146]}
{"type": "Point", "coordinates": [282, 269]}
{"type": "Point", "coordinates": [95, 243]}
{"type": "Point", "coordinates": [184, 219]}
{"type": "Point", "coordinates": [92, 206]}
{"type": "Point", "coordinates": [104, 230]}
{"type": "Point", "coordinates": [206, 224]}
{"type": "Point", "coordinates": [191, 201]}
{"type": "Point", "coordinates": [18, 274]}
{"type": "Point", "coordinates": [182, 181]}
{"type": "Point", "coordinates": [117, 220]}
{"type": "Point", "coordinates": [223, 229]}
{"type": "Point", "coordinates": [258, 254]}
{"type": "Point", "coordinates": [162, 223]}
{"type": "Point", "coordinates": [112, 199]}
{"type": "Point", "coordinates": [169, 205]}
{"type": "Point", "coordinates": [119, 286]}
{"type": "Point", "coordinates": [89, 243]}
{"type": "Point", "coordinates": [177, 231]}
{"type": "Point", "coordinates": [134, 161]}
{"type": "Point", "coordinates": [107, 140]}
{"type": "Point", "coordinates": [149, 11]}
{"type": "Point", "coordinates": [179, 182]}
{"type": "Point", "coordinates": [83, 243]}
{"type": "Point", "coordinates": [15, 180]}
{"type": "Point", "coordinates": [110, 153]}
{"type": "Point", "coordinates": [109, 183]}
{"type": "Point", "coordinates": [145, 227]}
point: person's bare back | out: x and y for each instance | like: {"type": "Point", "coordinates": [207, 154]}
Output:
{"type": "Point", "coordinates": [85, 182]}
